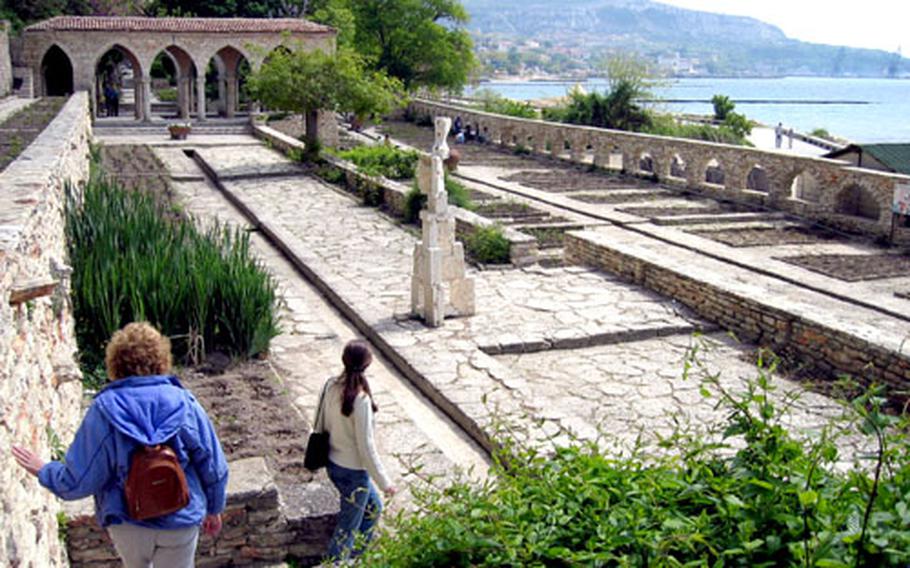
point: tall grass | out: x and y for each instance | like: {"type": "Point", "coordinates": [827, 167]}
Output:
{"type": "Point", "coordinates": [132, 261]}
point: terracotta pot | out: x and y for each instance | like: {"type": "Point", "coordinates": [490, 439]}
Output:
{"type": "Point", "coordinates": [451, 163]}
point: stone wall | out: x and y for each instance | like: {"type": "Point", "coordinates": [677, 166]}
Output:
{"type": "Point", "coordinates": [6, 63]}
{"type": "Point", "coordinates": [258, 530]}
{"type": "Point", "coordinates": [391, 196]}
{"type": "Point", "coordinates": [40, 386]}
{"type": "Point", "coordinates": [823, 344]}
{"type": "Point", "coordinates": [814, 188]}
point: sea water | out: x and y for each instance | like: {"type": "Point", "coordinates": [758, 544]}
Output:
{"type": "Point", "coordinates": [860, 110]}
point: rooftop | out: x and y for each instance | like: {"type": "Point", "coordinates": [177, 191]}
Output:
{"type": "Point", "coordinates": [894, 156]}
{"type": "Point", "coordinates": [177, 25]}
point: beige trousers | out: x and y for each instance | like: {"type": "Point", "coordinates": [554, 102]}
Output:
{"type": "Point", "coordinates": [141, 547]}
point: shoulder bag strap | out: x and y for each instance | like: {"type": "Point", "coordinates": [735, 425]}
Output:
{"type": "Point", "coordinates": [318, 424]}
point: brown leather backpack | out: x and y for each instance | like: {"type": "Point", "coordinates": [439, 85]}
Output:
{"type": "Point", "coordinates": [156, 485]}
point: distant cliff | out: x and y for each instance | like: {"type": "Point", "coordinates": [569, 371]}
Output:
{"type": "Point", "coordinates": [685, 41]}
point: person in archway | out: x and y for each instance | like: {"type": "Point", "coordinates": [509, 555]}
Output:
{"type": "Point", "coordinates": [347, 416]}
{"type": "Point", "coordinates": [143, 406]}
{"type": "Point", "coordinates": [112, 96]}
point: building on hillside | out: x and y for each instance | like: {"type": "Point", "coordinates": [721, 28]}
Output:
{"type": "Point", "coordinates": [893, 158]}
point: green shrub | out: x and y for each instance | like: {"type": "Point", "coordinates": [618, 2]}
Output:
{"type": "Point", "coordinates": [167, 95]}
{"type": "Point", "coordinates": [488, 245]}
{"type": "Point", "coordinates": [821, 133]}
{"type": "Point", "coordinates": [134, 261]}
{"type": "Point", "coordinates": [276, 116]}
{"type": "Point", "coordinates": [491, 101]}
{"type": "Point", "coordinates": [723, 106]}
{"type": "Point", "coordinates": [665, 125]}
{"type": "Point", "coordinates": [414, 201]}
{"type": "Point", "coordinates": [383, 160]}
{"type": "Point", "coordinates": [330, 174]}
{"type": "Point", "coordinates": [742, 492]}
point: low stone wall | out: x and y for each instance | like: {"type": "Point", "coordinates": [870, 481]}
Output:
{"type": "Point", "coordinates": [6, 63]}
{"type": "Point", "coordinates": [865, 355]}
{"type": "Point", "coordinates": [40, 383]}
{"type": "Point", "coordinates": [257, 529]}
{"type": "Point", "coordinates": [830, 191]}
{"type": "Point", "coordinates": [391, 196]}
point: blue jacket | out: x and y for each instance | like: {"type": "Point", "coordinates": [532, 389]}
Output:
{"type": "Point", "coordinates": [133, 411]}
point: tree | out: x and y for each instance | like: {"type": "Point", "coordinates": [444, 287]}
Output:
{"type": "Point", "coordinates": [420, 42]}
{"type": "Point", "coordinates": [305, 82]}
{"type": "Point", "coordinates": [227, 8]}
{"type": "Point", "coordinates": [722, 106]}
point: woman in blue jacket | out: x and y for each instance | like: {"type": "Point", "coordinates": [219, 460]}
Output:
{"type": "Point", "coordinates": [142, 406]}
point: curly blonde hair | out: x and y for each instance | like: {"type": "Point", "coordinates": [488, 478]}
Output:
{"type": "Point", "coordinates": [137, 350]}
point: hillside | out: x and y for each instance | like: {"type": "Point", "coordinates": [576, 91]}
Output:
{"type": "Point", "coordinates": [685, 42]}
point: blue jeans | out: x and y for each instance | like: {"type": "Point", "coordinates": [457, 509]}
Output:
{"type": "Point", "coordinates": [360, 509]}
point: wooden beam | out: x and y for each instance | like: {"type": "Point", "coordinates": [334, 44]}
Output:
{"type": "Point", "coordinates": [29, 290]}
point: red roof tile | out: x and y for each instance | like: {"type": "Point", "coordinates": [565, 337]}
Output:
{"type": "Point", "coordinates": [177, 25]}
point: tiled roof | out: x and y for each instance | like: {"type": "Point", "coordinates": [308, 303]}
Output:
{"type": "Point", "coordinates": [895, 157]}
{"type": "Point", "coordinates": [176, 25]}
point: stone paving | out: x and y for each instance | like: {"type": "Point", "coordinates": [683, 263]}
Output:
{"type": "Point", "coordinates": [308, 351]}
{"type": "Point", "coordinates": [562, 183]}
{"type": "Point", "coordinates": [362, 258]}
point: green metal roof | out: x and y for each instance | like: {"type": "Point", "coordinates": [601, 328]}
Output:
{"type": "Point", "coordinates": [896, 157]}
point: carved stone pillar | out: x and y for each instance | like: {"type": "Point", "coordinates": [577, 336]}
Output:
{"type": "Point", "coordinates": [200, 98]}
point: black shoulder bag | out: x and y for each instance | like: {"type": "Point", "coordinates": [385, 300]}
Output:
{"type": "Point", "coordinates": [317, 447]}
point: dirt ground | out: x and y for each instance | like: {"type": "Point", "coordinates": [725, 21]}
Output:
{"type": "Point", "coordinates": [254, 417]}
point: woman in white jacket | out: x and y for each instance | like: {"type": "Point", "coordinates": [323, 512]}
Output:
{"type": "Point", "coordinates": [347, 416]}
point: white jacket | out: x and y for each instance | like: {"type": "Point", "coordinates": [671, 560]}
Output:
{"type": "Point", "coordinates": [351, 437]}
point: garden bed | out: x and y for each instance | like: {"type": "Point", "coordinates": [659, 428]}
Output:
{"type": "Point", "coordinates": [549, 237]}
{"type": "Point", "coordinates": [574, 179]}
{"type": "Point", "coordinates": [853, 267]}
{"type": "Point", "coordinates": [20, 129]}
{"type": "Point", "coordinates": [677, 211]}
{"type": "Point", "coordinates": [756, 237]}
{"type": "Point", "coordinates": [137, 167]}
{"type": "Point", "coordinates": [254, 417]}
{"type": "Point", "coordinates": [622, 197]}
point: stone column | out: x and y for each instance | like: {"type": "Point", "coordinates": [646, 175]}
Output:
{"type": "Point", "coordinates": [222, 95]}
{"type": "Point", "coordinates": [146, 98]}
{"type": "Point", "coordinates": [200, 98]}
{"type": "Point", "coordinates": [183, 98]}
{"type": "Point", "coordinates": [230, 96]}
{"type": "Point", "coordinates": [138, 91]}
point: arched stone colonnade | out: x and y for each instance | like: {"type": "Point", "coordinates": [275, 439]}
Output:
{"type": "Point", "coordinates": [190, 43]}
{"type": "Point", "coordinates": [817, 188]}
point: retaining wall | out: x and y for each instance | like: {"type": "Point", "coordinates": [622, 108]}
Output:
{"type": "Point", "coordinates": [825, 345]}
{"type": "Point", "coordinates": [6, 63]}
{"type": "Point", "coordinates": [392, 196]}
{"type": "Point", "coordinates": [40, 383]}
{"type": "Point", "coordinates": [830, 191]}
{"type": "Point", "coordinates": [257, 531]}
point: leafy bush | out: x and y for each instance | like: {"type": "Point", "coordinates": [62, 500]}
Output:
{"type": "Point", "coordinates": [383, 160]}
{"type": "Point", "coordinates": [330, 174]}
{"type": "Point", "coordinates": [664, 125]}
{"type": "Point", "coordinates": [743, 493]}
{"type": "Point", "coordinates": [491, 101]}
{"type": "Point", "coordinates": [488, 245]}
{"type": "Point", "coordinates": [615, 109]}
{"type": "Point", "coordinates": [167, 95]}
{"type": "Point", "coordinates": [414, 201]}
{"type": "Point", "coordinates": [821, 133]}
{"type": "Point", "coordinates": [133, 261]}
{"type": "Point", "coordinates": [722, 106]}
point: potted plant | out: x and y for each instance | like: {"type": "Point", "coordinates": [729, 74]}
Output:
{"type": "Point", "coordinates": [179, 130]}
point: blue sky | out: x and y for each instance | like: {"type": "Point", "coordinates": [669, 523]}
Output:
{"type": "Point", "coordinates": [876, 24]}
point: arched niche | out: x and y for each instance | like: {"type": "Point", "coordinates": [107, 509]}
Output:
{"type": "Point", "coordinates": [857, 201]}
{"type": "Point", "coordinates": [56, 73]}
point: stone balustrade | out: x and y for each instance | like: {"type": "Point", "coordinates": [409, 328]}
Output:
{"type": "Point", "coordinates": [40, 383]}
{"type": "Point", "coordinates": [829, 191]}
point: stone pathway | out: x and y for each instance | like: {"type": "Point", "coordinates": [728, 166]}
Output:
{"type": "Point", "coordinates": [411, 433]}
{"type": "Point", "coordinates": [362, 258]}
